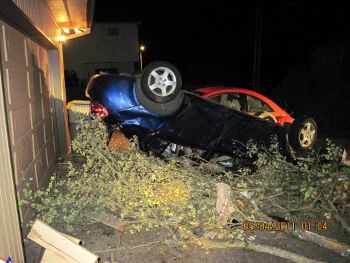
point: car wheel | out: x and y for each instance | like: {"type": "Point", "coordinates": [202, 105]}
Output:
{"type": "Point", "coordinates": [149, 93]}
{"type": "Point", "coordinates": [161, 81]}
{"type": "Point", "coordinates": [303, 133]}
{"type": "Point", "coordinates": [266, 116]}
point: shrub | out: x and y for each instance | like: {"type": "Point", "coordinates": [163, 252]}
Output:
{"type": "Point", "coordinates": [129, 185]}
{"type": "Point", "coordinates": [150, 192]}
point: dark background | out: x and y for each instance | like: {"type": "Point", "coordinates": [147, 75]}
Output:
{"type": "Point", "coordinates": [305, 48]}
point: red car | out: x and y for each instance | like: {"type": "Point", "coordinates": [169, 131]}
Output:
{"type": "Point", "coordinates": [302, 131]}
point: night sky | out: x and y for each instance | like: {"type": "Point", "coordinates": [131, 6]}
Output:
{"type": "Point", "coordinates": [213, 43]}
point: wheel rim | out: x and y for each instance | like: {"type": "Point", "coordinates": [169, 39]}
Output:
{"type": "Point", "coordinates": [307, 134]}
{"type": "Point", "coordinates": [162, 81]}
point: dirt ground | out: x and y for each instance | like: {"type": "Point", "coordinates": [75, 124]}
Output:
{"type": "Point", "coordinates": [116, 246]}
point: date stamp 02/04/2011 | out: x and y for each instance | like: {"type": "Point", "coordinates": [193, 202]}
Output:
{"type": "Point", "coordinates": [284, 226]}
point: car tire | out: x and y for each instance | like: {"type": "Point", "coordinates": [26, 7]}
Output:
{"type": "Point", "coordinates": [159, 109]}
{"type": "Point", "coordinates": [159, 106]}
{"type": "Point", "coordinates": [161, 81]}
{"type": "Point", "coordinates": [303, 133]}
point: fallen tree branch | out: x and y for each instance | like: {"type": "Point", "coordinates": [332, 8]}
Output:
{"type": "Point", "coordinates": [108, 162]}
{"type": "Point", "coordinates": [259, 248]}
{"type": "Point", "coordinates": [116, 224]}
{"type": "Point", "coordinates": [210, 244]}
{"type": "Point", "coordinates": [337, 217]}
{"type": "Point", "coordinates": [326, 242]}
{"type": "Point", "coordinates": [127, 248]}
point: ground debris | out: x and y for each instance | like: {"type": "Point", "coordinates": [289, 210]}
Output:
{"type": "Point", "coordinates": [133, 191]}
{"type": "Point", "coordinates": [59, 247]}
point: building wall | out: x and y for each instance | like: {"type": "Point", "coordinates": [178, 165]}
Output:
{"type": "Point", "coordinates": [29, 106]}
{"type": "Point", "coordinates": [108, 46]}
{"type": "Point", "coordinates": [10, 235]}
{"type": "Point", "coordinates": [28, 91]}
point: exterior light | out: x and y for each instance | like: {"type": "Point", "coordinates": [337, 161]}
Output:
{"type": "Point", "coordinates": [77, 30]}
{"type": "Point", "coordinates": [61, 38]}
{"type": "Point", "coordinates": [65, 30]}
{"type": "Point", "coordinates": [142, 48]}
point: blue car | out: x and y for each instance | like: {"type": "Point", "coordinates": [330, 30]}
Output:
{"type": "Point", "coordinates": [152, 106]}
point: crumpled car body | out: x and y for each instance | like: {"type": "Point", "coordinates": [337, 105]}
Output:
{"type": "Point", "coordinates": [118, 95]}
{"type": "Point", "coordinates": [198, 122]}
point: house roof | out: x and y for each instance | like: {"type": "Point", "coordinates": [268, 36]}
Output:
{"type": "Point", "coordinates": [73, 16]}
{"type": "Point", "coordinates": [48, 21]}
{"type": "Point", "coordinates": [72, 13]}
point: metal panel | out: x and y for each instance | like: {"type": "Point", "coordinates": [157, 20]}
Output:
{"type": "Point", "coordinates": [28, 103]}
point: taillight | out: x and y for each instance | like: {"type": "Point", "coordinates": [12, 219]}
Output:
{"type": "Point", "coordinates": [99, 110]}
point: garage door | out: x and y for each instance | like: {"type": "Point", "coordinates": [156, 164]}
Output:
{"type": "Point", "coordinates": [29, 108]}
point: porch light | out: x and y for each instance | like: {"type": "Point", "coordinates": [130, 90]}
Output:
{"type": "Point", "coordinates": [65, 30]}
{"type": "Point", "coordinates": [61, 38]}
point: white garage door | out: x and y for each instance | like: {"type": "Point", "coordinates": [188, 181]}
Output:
{"type": "Point", "coordinates": [29, 108]}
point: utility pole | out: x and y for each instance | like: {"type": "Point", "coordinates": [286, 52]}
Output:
{"type": "Point", "coordinates": [142, 48]}
{"type": "Point", "coordinates": [257, 45]}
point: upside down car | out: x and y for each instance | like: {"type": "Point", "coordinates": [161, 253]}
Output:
{"type": "Point", "coordinates": [302, 130]}
{"type": "Point", "coordinates": [152, 106]}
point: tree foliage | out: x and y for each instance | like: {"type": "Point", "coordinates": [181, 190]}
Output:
{"type": "Point", "coordinates": [149, 192]}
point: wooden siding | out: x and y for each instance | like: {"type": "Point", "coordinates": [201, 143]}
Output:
{"type": "Point", "coordinates": [10, 235]}
{"type": "Point", "coordinates": [40, 16]}
{"type": "Point", "coordinates": [29, 107]}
